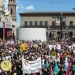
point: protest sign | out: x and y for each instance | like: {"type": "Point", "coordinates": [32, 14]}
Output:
{"type": "Point", "coordinates": [6, 65]}
{"type": "Point", "coordinates": [23, 47]}
{"type": "Point", "coordinates": [31, 66]}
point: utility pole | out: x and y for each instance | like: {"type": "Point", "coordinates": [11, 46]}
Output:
{"type": "Point", "coordinates": [74, 11]}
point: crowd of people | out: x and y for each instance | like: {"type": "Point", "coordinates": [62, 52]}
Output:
{"type": "Point", "coordinates": [54, 61]}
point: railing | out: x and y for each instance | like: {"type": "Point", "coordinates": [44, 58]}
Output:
{"type": "Point", "coordinates": [49, 27]}
{"type": "Point", "coordinates": [33, 26]}
{"type": "Point", "coordinates": [63, 27]}
{"type": "Point", "coordinates": [54, 27]}
{"type": "Point", "coordinates": [71, 27]}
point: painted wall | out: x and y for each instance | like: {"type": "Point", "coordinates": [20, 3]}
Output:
{"type": "Point", "coordinates": [31, 34]}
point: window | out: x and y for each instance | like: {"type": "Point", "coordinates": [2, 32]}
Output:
{"type": "Point", "coordinates": [46, 23]}
{"type": "Point", "coordinates": [63, 23]}
{"type": "Point", "coordinates": [25, 23]}
{"type": "Point", "coordinates": [30, 23]}
{"type": "Point", "coordinates": [11, 11]}
{"type": "Point", "coordinates": [40, 23]}
{"type": "Point", "coordinates": [53, 23]}
{"type": "Point", "coordinates": [57, 20]}
{"type": "Point", "coordinates": [13, 26]}
{"type": "Point", "coordinates": [71, 23]}
{"type": "Point", "coordinates": [35, 23]}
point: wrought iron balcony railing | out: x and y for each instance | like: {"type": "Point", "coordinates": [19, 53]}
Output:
{"type": "Point", "coordinates": [71, 27]}
{"type": "Point", "coordinates": [54, 27]}
{"type": "Point", "coordinates": [63, 27]}
{"type": "Point", "coordinates": [49, 27]}
{"type": "Point", "coordinates": [33, 26]}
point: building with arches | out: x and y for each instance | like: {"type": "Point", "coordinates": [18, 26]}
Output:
{"type": "Point", "coordinates": [51, 21]}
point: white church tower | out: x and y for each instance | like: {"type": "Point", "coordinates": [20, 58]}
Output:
{"type": "Point", "coordinates": [1, 9]}
{"type": "Point", "coordinates": [12, 9]}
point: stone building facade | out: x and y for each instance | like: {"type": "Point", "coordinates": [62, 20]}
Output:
{"type": "Point", "coordinates": [12, 9]}
{"type": "Point", "coordinates": [51, 21]}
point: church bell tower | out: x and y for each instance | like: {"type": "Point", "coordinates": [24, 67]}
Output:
{"type": "Point", "coordinates": [1, 5]}
{"type": "Point", "coordinates": [12, 9]}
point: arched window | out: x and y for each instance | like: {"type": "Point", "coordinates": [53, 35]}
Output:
{"type": "Point", "coordinates": [11, 11]}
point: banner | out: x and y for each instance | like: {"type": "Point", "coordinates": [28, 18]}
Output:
{"type": "Point", "coordinates": [7, 25]}
{"type": "Point", "coordinates": [31, 66]}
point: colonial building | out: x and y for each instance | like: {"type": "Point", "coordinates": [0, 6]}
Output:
{"type": "Point", "coordinates": [55, 22]}
{"type": "Point", "coordinates": [2, 13]}
{"type": "Point", "coordinates": [5, 15]}
{"type": "Point", "coordinates": [1, 5]}
{"type": "Point", "coordinates": [5, 22]}
{"type": "Point", "coordinates": [9, 17]}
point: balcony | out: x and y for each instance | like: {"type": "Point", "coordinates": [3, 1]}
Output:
{"type": "Point", "coordinates": [33, 26]}
{"type": "Point", "coordinates": [51, 27]}
{"type": "Point", "coordinates": [71, 27]}
{"type": "Point", "coordinates": [54, 27]}
{"type": "Point", "coordinates": [63, 27]}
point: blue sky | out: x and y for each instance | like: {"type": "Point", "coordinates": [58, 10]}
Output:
{"type": "Point", "coordinates": [42, 5]}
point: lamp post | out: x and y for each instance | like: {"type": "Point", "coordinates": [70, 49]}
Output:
{"type": "Point", "coordinates": [61, 17]}
{"type": "Point", "coordinates": [74, 10]}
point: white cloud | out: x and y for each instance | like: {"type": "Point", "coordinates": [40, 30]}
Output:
{"type": "Point", "coordinates": [6, 4]}
{"type": "Point", "coordinates": [17, 7]}
{"type": "Point", "coordinates": [31, 7]}
{"type": "Point", "coordinates": [22, 7]}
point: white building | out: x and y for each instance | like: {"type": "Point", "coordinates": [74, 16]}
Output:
{"type": "Point", "coordinates": [10, 15]}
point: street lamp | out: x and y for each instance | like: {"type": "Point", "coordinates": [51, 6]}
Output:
{"type": "Point", "coordinates": [61, 17]}
{"type": "Point", "coordinates": [74, 10]}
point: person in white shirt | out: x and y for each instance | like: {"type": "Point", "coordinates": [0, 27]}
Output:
{"type": "Point", "coordinates": [57, 59]}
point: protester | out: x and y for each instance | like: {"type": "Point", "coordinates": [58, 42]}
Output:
{"type": "Point", "coordinates": [57, 58]}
